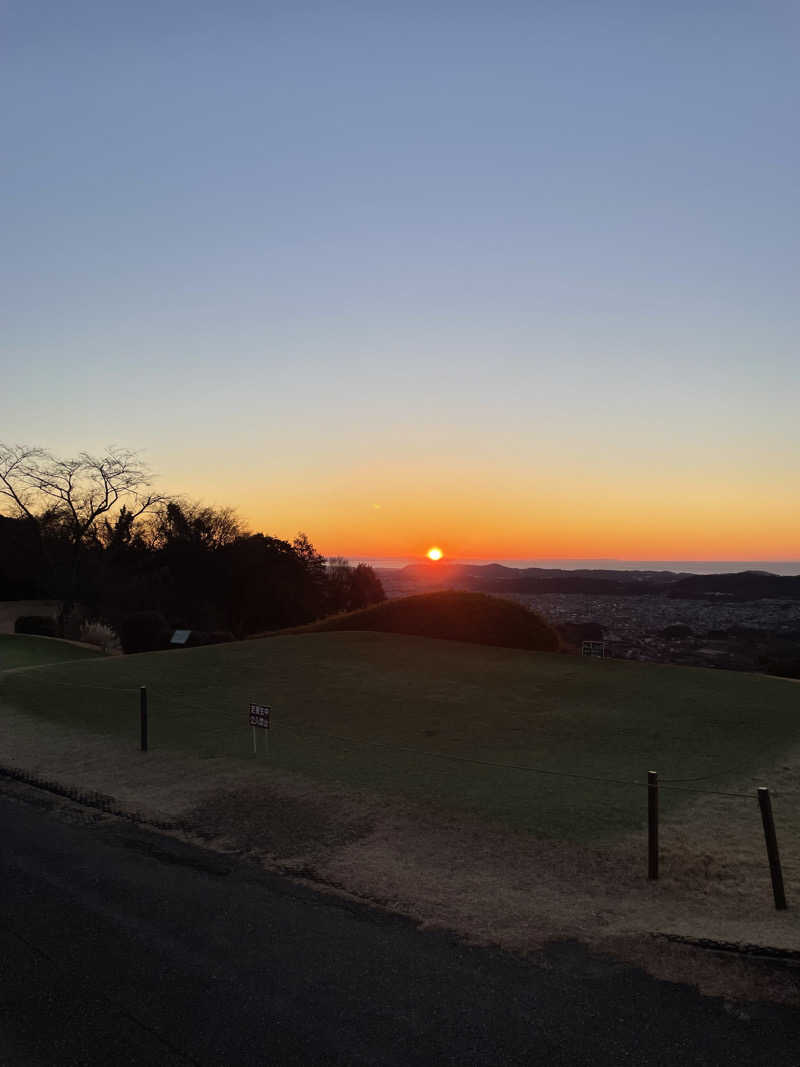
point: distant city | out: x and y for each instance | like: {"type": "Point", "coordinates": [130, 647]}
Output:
{"type": "Point", "coordinates": [737, 615]}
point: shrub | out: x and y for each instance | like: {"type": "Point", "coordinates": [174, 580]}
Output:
{"type": "Point", "coordinates": [205, 637]}
{"type": "Point", "coordinates": [100, 634]}
{"type": "Point", "coordinates": [783, 666]}
{"type": "Point", "coordinates": [72, 623]}
{"type": "Point", "coordinates": [144, 631]}
{"type": "Point", "coordinates": [220, 637]}
{"type": "Point", "coordinates": [677, 631]}
{"type": "Point", "coordinates": [39, 625]}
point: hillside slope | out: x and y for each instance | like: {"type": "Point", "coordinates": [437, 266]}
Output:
{"type": "Point", "coordinates": [455, 616]}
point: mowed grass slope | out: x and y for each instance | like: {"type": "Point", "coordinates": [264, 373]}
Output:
{"type": "Point", "coordinates": [20, 650]}
{"type": "Point", "coordinates": [379, 711]}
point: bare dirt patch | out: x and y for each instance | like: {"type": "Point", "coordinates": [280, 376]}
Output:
{"type": "Point", "coordinates": [290, 822]}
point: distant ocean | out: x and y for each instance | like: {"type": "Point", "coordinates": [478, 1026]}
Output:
{"type": "Point", "coordinates": [686, 566]}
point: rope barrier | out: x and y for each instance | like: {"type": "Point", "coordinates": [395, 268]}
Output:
{"type": "Point", "coordinates": [664, 783]}
{"type": "Point", "coordinates": [706, 777]}
{"type": "Point", "coordinates": [707, 792]}
{"type": "Point", "coordinates": [460, 759]}
{"type": "Point", "coordinates": [512, 766]}
{"type": "Point", "coordinates": [104, 688]}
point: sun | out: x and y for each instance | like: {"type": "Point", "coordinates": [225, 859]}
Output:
{"type": "Point", "coordinates": [434, 553]}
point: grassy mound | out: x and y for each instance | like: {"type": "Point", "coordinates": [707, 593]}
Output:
{"type": "Point", "coordinates": [472, 617]}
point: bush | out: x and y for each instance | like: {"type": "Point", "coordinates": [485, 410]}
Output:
{"type": "Point", "coordinates": [144, 631]}
{"type": "Point", "coordinates": [38, 625]}
{"type": "Point", "coordinates": [784, 666]}
{"type": "Point", "coordinates": [205, 637]}
{"type": "Point", "coordinates": [72, 623]}
{"type": "Point", "coordinates": [98, 633]}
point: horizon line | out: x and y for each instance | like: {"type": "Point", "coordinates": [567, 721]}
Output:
{"type": "Point", "coordinates": [571, 559]}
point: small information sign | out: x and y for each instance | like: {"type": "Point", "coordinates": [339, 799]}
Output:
{"type": "Point", "coordinates": [259, 715]}
{"type": "Point", "coordinates": [180, 637]}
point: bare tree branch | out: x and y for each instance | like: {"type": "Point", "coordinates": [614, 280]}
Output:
{"type": "Point", "coordinates": [17, 480]}
{"type": "Point", "coordinates": [80, 489]}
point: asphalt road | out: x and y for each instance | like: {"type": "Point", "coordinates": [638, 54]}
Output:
{"type": "Point", "coordinates": [120, 946]}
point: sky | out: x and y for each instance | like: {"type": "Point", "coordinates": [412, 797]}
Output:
{"type": "Point", "coordinates": [516, 279]}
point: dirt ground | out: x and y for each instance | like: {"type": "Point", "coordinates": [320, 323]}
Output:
{"type": "Point", "coordinates": [483, 881]}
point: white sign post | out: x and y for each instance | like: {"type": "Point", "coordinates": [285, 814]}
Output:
{"type": "Point", "coordinates": [259, 717]}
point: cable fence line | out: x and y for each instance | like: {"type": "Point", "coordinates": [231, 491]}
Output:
{"type": "Point", "coordinates": [103, 688]}
{"type": "Point", "coordinates": [505, 766]}
{"type": "Point", "coordinates": [673, 784]}
{"type": "Point", "coordinates": [664, 783]}
{"type": "Point", "coordinates": [220, 731]}
{"type": "Point", "coordinates": [707, 777]}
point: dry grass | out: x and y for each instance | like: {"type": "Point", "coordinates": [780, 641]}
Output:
{"type": "Point", "coordinates": [490, 884]}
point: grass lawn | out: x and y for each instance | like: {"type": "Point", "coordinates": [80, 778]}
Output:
{"type": "Point", "coordinates": [19, 650]}
{"type": "Point", "coordinates": [388, 693]}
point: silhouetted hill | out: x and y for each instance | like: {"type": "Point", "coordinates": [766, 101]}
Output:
{"type": "Point", "coordinates": [567, 584]}
{"type": "Point", "coordinates": [455, 616]}
{"type": "Point", "coordinates": [745, 585]}
{"type": "Point", "coordinates": [498, 579]}
{"type": "Point", "coordinates": [461, 572]}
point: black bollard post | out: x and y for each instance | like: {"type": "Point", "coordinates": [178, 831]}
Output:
{"type": "Point", "coordinates": [143, 718]}
{"type": "Point", "coordinates": [771, 840]}
{"type": "Point", "coordinates": [652, 825]}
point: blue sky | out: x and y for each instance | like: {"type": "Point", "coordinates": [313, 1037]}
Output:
{"type": "Point", "coordinates": [450, 259]}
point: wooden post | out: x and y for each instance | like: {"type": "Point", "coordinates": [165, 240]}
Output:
{"type": "Point", "coordinates": [772, 848]}
{"type": "Point", "coordinates": [143, 718]}
{"type": "Point", "coordinates": [652, 825]}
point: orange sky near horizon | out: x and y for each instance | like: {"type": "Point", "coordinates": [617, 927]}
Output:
{"type": "Point", "coordinates": [634, 499]}
{"type": "Point", "coordinates": [625, 485]}
{"type": "Point", "coordinates": [493, 525]}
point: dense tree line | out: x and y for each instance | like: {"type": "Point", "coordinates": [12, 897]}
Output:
{"type": "Point", "coordinates": [90, 534]}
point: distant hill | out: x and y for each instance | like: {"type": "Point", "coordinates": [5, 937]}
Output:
{"type": "Point", "coordinates": [454, 616]}
{"type": "Point", "coordinates": [746, 585]}
{"type": "Point", "coordinates": [498, 579]}
{"type": "Point", "coordinates": [438, 572]}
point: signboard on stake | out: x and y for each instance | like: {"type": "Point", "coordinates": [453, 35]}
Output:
{"type": "Point", "coordinates": [259, 717]}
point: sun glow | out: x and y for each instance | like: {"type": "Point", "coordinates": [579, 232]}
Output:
{"type": "Point", "coordinates": [435, 553]}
